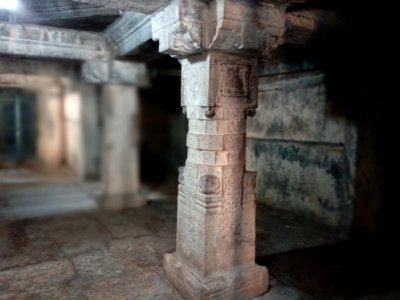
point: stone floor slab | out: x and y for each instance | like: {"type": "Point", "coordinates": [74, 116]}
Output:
{"type": "Point", "coordinates": [36, 277]}
{"type": "Point", "coordinates": [142, 285]}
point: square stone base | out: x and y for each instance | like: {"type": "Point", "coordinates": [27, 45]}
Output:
{"type": "Point", "coordinates": [241, 282]}
{"type": "Point", "coordinates": [122, 201]}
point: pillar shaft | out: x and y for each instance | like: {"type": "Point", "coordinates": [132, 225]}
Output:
{"type": "Point", "coordinates": [121, 150]}
{"type": "Point", "coordinates": [50, 129]}
{"type": "Point", "coordinates": [219, 41]}
{"type": "Point", "coordinates": [215, 249]}
{"type": "Point", "coordinates": [120, 156]}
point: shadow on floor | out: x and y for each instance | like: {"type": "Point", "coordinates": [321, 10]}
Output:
{"type": "Point", "coordinates": [346, 270]}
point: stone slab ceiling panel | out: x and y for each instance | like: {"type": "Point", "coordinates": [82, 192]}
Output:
{"type": "Point", "coordinates": [142, 6]}
{"type": "Point", "coordinates": [66, 14]}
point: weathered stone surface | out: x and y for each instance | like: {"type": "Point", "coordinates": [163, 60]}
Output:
{"type": "Point", "coordinates": [127, 33]}
{"type": "Point", "coordinates": [96, 265]}
{"type": "Point", "coordinates": [127, 223]}
{"type": "Point", "coordinates": [215, 250]}
{"type": "Point", "coordinates": [36, 277]}
{"type": "Point", "coordinates": [294, 108]}
{"type": "Point", "coordinates": [141, 6]}
{"type": "Point", "coordinates": [306, 178]}
{"type": "Point", "coordinates": [40, 41]}
{"type": "Point", "coordinates": [80, 241]}
{"type": "Point", "coordinates": [65, 292]}
{"type": "Point", "coordinates": [28, 242]}
{"type": "Point", "coordinates": [140, 284]}
{"type": "Point", "coordinates": [115, 72]}
{"type": "Point", "coordinates": [135, 252]}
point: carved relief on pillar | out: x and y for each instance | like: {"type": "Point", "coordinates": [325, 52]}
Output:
{"type": "Point", "coordinates": [234, 83]}
{"type": "Point", "coordinates": [209, 184]}
{"type": "Point", "coordinates": [225, 84]}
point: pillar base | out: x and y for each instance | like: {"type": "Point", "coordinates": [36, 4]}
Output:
{"type": "Point", "coordinates": [241, 282]}
{"type": "Point", "coordinates": [122, 201]}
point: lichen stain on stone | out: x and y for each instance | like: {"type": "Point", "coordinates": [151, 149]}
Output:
{"type": "Point", "coordinates": [306, 178]}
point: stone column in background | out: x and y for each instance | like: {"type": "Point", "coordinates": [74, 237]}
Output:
{"type": "Point", "coordinates": [120, 154]}
{"type": "Point", "coordinates": [218, 44]}
{"type": "Point", "coordinates": [82, 132]}
{"type": "Point", "coordinates": [50, 141]}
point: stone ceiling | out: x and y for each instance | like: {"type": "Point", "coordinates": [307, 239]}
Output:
{"type": "Point", "coordinates": [63, 14]}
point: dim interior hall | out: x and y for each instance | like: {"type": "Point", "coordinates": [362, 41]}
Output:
{"type": "Point", "coordinates": [194, 149]}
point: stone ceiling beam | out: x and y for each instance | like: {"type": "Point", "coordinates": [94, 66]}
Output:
{"type": "Point", "coordinates": [117, 72]}
{"type": "Point", "coordinates": [31, 82]}
{"type": "Point", "coordinates": [141, 6]}
{"type": "Point", "coordinates": [35, 67]}
{"type": "Point", "coordinates": [49, 42]}
{"type": "Point", "coordinates": [127, 33]}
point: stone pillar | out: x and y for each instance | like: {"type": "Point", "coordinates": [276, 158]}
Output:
{"type": "Point", "coordinates": [81, 117]}
{"type": "Point", "coordinates": [120, 151]}
{"type": "Point", "coordinates": [120, 147]}
{"type": "Point", "coordinates": [50, 141]}
{"type": "Point", "coordinates": [218, 44]}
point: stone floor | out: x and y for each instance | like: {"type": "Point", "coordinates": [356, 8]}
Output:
{"type": "Point", "coordinates": [118, 255]}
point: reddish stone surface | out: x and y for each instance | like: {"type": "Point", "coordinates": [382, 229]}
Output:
{"type": "Point", "coordinates": [83, 256]}
{"type": "Point", "coordinates": [141, 284]}
{"type": "Point", "coordinates": [36, 277]}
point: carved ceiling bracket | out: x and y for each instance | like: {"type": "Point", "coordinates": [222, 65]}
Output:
{"type": "Point", "coordinates": [188, 27]}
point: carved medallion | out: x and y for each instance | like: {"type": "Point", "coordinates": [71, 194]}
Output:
{"type": "Point", "coordinates": [209, 184]}
{"type": "Point", "coordinates": [233, 180]}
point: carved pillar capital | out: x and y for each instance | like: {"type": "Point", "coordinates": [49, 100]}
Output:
{"type": "Point", "coordinates": [219, 84]}
{"type": "Point", "coordinates": [116, 72]}
{"type": "Point", "coordinates": [187, 27]}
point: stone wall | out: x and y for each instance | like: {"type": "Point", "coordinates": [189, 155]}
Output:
{"type": "Point", "coordinates": [304, 153]}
